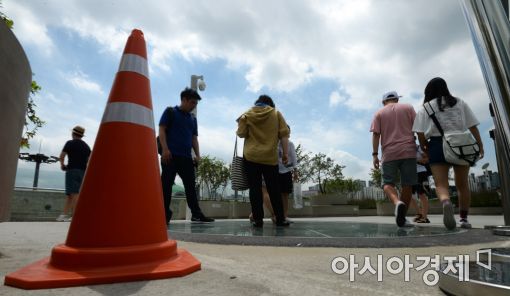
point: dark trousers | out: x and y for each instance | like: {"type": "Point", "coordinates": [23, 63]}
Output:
{"type": "Point", "coordinates": [255, 172]}
{"type": "Point", "coordinates": [186, 170]}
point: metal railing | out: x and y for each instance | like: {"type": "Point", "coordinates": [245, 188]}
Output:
{"type": "Point", "coordinates": [38, 189]}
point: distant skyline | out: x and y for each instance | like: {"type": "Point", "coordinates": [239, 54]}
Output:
{"type": "Point", "coordinates": [325, 63]}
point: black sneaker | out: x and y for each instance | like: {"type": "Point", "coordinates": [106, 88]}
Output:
{"type": "Point", "coordinates": [257, 224]}
{"type": "Point", "coordinates": [400, 214]}
{"type": "Point", "coordinates": [283, 223]}
{"type": "Point", "coordinates": [288, 220]}
{"type": "Point", "coordinates": [202, 219]}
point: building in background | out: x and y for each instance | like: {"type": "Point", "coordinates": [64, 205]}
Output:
{"type": "Point", "coordinates": [361, 183]}
{"type": "Point", "coordinates": [487, 182]}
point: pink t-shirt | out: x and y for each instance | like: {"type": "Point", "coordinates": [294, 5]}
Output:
{"type": "Point", "coordinates": [394, 122]}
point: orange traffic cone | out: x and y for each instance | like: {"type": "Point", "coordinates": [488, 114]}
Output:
{"type": "Point", "coordinates": [118, 232]}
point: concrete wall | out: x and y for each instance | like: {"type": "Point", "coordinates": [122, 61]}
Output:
{"type": "Point", "coordinates": [46, 205]}
{"type": "Point", "coordinates": [36, 205]}
{"type": "Point", "coordinates": [15, 82]}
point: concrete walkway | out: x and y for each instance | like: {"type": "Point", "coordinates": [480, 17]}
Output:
{"type": "Point", "coordinates": [242, 270]}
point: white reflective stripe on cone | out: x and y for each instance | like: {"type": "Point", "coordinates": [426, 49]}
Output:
{"type": "Point", "coordinates": [128, 112]}
{"type": "Point", "coordinates": [134, 63]}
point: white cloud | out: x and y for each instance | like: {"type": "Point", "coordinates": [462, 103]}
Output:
{"type": "Point", "coordinates": [291, 43]}
{"type": "Point", "coordinates": [231, 109]}
{"type": "Point", "coordinates": [322, 134]}
{"type": "Point", "coordinates": [51, 97]}
{"type": "Point", "coordinates": [335, 99]}
{"type": "Point", "coordinates": [334, 142]}
{"type": "Point", "coordinates": [81, 81]}
{"type": "Point", "coordinates": [30, 29]}
{"type": "Point", "coordinates": [358, 47]}
{"type": "Point", "coordinates": [354, 167]}
{"type": "Point", "coordinates": [110, 37]}
{"type": "Point", "coordinates": [218, 142]}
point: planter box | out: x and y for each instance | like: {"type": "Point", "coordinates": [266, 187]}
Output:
{"type": "Point", "coordinates": [215, 209]}
{"type": "Point", "coordinates": [240, 210]}
{"type": "Point", "coordinates": [334, 210]}
{"type": "Point", "coordinates": [305, 211]}
{"type": "Point", "coordinates": [486, 211]}
{"type": "Point", "coordinates": [367, 212]}
{"type": "Point", "coordinates": [328, 199]}
{"type": "Point", "coordinates": [178, 207]}
{"type": "Point", "coordinates": [388, 209]}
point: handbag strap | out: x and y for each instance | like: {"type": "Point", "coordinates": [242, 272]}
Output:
{"type": "Point", "coordinates": [235, 148]}
{"type": "Point", "coordinates": [432, 115]}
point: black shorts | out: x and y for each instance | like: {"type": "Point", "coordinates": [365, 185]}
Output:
{"type": "Point", "coordinates": [436, 154]}
{"type": "Point", "coordinates": [422, 186]}
{"type": "Point", "coordinates": [285, 181]}
{"type": "Point", "coordinates": [74, 178]}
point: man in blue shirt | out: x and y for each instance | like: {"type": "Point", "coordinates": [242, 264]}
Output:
{"type": "Point", "coordinates": [178, 134]}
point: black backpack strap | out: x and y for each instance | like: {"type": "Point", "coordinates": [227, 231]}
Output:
{"type": "Point", "coordinates": [170, 111]}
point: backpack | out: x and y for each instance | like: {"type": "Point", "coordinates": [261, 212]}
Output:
{"type": "Point", "coordinates": [170, 111]}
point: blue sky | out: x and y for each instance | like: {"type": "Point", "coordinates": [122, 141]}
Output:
{"type": "Point", "coordinates": [325, 63]}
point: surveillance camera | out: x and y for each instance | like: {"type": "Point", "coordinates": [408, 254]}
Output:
{"type": "Point", "coordinates": [201, 85]}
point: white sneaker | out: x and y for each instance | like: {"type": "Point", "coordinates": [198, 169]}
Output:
{"type": "Point", "coordinates": [62, 218]}
{"type": "Point", "coordinates": [448, 218]}
{"type": "Point", "coordinates": [408, 224]}
{"type": "Point", "coordinates": [465, 224]}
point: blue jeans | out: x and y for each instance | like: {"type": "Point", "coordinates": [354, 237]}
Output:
{"type": "Point", "coordinates": [185, 168]}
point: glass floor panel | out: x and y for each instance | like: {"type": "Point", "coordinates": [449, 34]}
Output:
{"type": "Point", "coordinates": [310, 229]}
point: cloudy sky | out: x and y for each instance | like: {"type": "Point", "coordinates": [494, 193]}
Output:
{"type": "Point", "coordinates": [325, 63]}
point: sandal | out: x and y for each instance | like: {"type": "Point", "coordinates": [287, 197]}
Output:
{"type": "Point", "coordinates": [417, 218]}
{"type": "Point", "coordinates": [423, 220]}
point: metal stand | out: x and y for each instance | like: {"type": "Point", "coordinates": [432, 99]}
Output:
{"type": "Point", "coordinates": [490, 32]}
{"type": "Point", "coordinates": [482, 280]}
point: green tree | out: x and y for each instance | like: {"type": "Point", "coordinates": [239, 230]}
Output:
{"type": "Point", "coordinates": [376, 176]}
{"type": "Point", "coordinates": [323, 170]}
{"type": "Point", "coordinates": [343, 185]}
{"type": "Point", "coordinates": [7, 20]}
{"type": "Point", "coordinates": [304, 165]}
{"type": "Point", "coordinates": [213, 174]}
{"type": "Point", "coordinates": [32, 121]}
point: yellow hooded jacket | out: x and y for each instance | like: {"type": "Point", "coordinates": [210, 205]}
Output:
{"type": "Point", "coordinates": [261, 128]}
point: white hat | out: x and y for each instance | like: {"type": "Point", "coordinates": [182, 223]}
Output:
{"type": "Point", "coordinates": [391, 95]}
